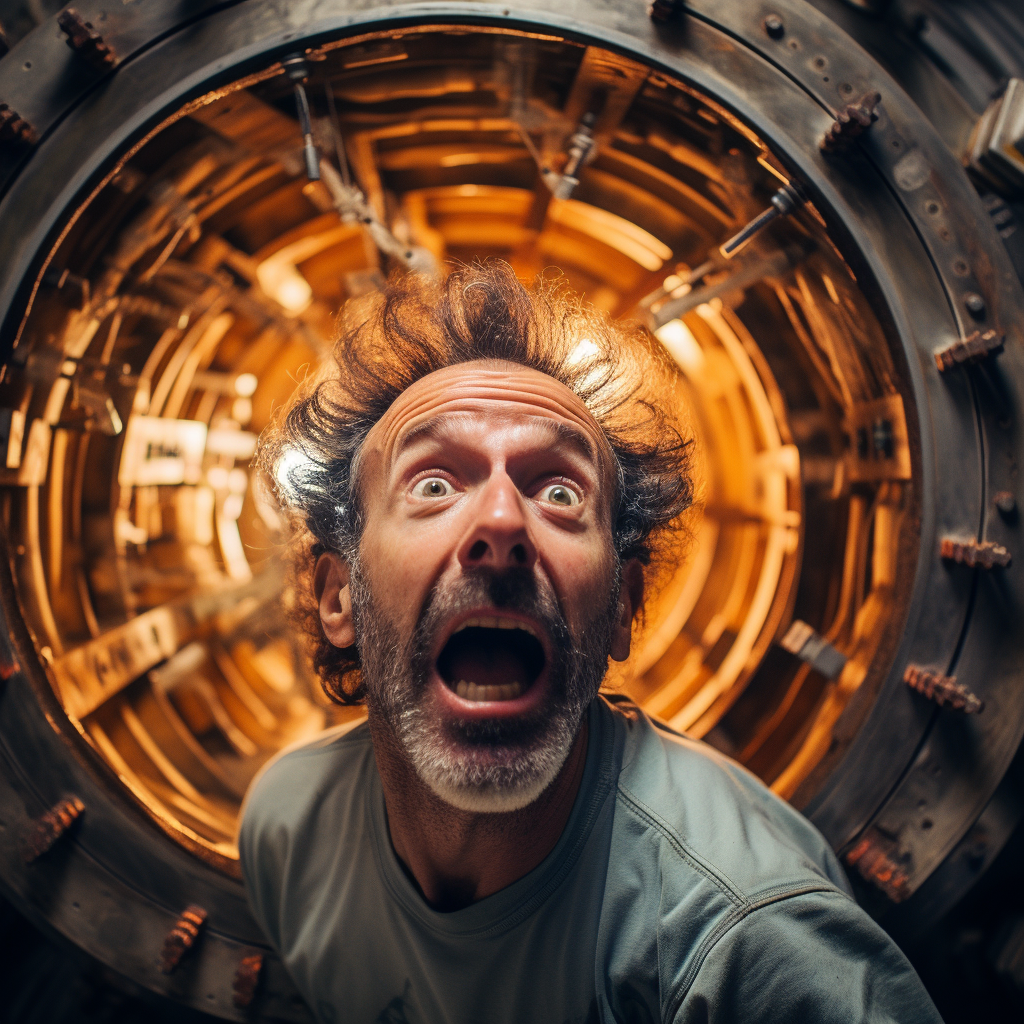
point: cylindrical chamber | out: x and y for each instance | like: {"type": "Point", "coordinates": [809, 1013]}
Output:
{"type": "Point", "coordinates": [852, 377]}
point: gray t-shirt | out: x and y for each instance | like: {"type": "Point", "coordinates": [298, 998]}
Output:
{"type": "Point", "coordinates": [681, 890]}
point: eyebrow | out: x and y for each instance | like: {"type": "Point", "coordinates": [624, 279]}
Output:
{"type": "Point", "coordinates": [434, 429]}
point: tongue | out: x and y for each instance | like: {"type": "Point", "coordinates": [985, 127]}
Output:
{"type": "Point", "coordinates": [487, 659]}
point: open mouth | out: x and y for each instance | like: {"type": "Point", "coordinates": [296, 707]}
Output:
{"type": "Point", "coordinates": [491, 658]}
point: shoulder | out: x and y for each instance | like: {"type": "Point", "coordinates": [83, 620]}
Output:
{"type": "Point", "coordinates": [298, 775]}
{"type": "Point", "coordinates": [308, 791]}
{"type": "Point", "coordinates": [810, 956]}
{"type": "Point", "coordinates": [717, 819]}
{"type": "Point", "coordinates": [719, 894]}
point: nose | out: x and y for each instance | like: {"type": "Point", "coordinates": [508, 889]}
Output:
{"type": "Point", "coordinates": [498, 537]}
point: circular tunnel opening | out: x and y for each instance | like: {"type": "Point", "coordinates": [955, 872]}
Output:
{"type": "Point", "coordinates": [198, 284]}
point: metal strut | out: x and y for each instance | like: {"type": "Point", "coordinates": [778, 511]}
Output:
{"type": "Point", "coordinates": [297, 69]}
{"type": "Point", "coordinates": [788, 199]}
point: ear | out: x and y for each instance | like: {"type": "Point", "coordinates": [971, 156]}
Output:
{"type": "Point", "coordinates": [330, 586]}
{"type": "Point", "coordinates": [631, 599]}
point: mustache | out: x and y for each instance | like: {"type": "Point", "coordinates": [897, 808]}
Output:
{"type": "Point", "coordinates": [513, 589]}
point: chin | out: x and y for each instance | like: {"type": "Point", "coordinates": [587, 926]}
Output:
{"type": "Point", "coordinates": [489, 799]}
{"type": "Point", "coordinates": [499, 787]}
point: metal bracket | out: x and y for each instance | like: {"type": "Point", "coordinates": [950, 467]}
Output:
{"type": "Point", "coordinates": [996, 149]}
{"type": "Point", "coordinates": [808, 645]}
{"type": "Point", "coordinates": [582, 151]}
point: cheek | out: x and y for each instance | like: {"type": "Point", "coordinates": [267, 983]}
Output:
{"type": "Point", "coordinates": [581, 571]}
{"type": "Point", "coordinates": [403, 563]}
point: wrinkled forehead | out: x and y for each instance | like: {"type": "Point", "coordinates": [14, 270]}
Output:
{"type": "Point", "coordinates": [485, 386]}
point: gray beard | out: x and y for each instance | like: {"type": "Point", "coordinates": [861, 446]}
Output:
{"type": "Point", "coordinates": [480, 766]}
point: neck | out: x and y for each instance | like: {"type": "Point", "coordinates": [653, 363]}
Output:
{"type": "Point", "coordinates": [458, 857]}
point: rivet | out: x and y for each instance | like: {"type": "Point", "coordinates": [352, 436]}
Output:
{"type": "Point", "coordinates": [975, 305]}
{"type": "Point", "coordinates": [774, 26]}
{"type": "Point", "coordinates": [1005, 502]}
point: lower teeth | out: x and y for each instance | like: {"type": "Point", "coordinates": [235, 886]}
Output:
{"type": "Point", "coordinates": [470, 691]}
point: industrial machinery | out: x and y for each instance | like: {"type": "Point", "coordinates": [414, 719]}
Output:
{"type": "Point", "coordinates": [814, 206]}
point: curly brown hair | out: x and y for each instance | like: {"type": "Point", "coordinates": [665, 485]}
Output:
{"type": "Point", "coordinates": [417, 325]}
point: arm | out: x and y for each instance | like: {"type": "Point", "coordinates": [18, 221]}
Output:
{"type": "Point", "coordinates": [810, 958]}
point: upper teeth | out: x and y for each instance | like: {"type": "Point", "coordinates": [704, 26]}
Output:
{"type": "Point", "coordinates": [496, 622]}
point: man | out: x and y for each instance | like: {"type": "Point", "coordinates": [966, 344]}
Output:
{"type": "Point", "coordinates": [486, 474]}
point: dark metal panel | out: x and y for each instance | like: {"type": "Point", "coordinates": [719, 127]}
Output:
{"type": "Point", "coordinates": [42, 78]}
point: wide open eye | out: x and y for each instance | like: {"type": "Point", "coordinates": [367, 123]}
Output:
{"type": "Point", "coordinates": [559, 494]}
{"type": "Point", "coordinates": [434, 487]}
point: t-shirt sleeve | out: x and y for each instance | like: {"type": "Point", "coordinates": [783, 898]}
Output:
{"type": "Point", "coordinates": [814, 958]}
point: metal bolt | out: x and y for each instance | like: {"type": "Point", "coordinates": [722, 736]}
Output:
{"type": "Point", "coordinates": [984, 554]}
{"type": "Point", "coordinates": [246, 979]}
{"type": "Point", "coordinates": [49, 827]}
{"type": "Point", "coordinates": [85, 40]}
{"type": "Point", "coordinates": [876, 858]}
{"type": "Point", "coordinates": [774, 27]}
{"type": "Point", "coordinates": [784, 202]}
{"type": "Point", "coordinates": [851, 122]}
{"type": "Point", "coordinates": [975, 347]}
{"type": "Point", "coordinates": [975, 305]}
{"type": "Point", "coordinates": [182, 937]}
{"type": "Point", "coordinates": [297, 69]}
{"type": "Point", "coordinates": [944, 690]}
{"type": "Point", "coordinates": [665, 10]}
{"type": "Point", "coordinates": [14, 128]}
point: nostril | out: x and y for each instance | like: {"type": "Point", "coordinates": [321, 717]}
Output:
{"type": "Point", "coordinates": [519, 555]}
{"type": "Point", "coordinates": [478, 550]}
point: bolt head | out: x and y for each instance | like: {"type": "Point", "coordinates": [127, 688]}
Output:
{"type": "Point", "coordinates": [1005, 502]}
{"type": "Point", "coordinates": [975, 305]}
{"type": "Point", "coordinates": [774, 26]}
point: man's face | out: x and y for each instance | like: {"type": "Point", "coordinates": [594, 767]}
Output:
{"type": "Point", "coordinates": [485, 595]}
